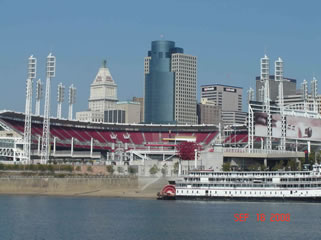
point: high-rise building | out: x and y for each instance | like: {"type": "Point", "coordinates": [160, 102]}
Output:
{"type": "Point", "coordinates": [229, 98]}
{"type": "Point", "coordinates": [208, 112]}
{"type": "Point", "coordinates": [103, 91]}
{"type": "Point", "coordinates": [170, 85]}
{"type": "Point", "coordinates": [141, 101]}
{"type": "Point", "coordinates": [232, 118]}
{"type": "Point", "coordinates": [103, 96]}
{"type": "Point", "coordinates": [289, 87]}
{"type": "Point", "coordinates": [132, 111]}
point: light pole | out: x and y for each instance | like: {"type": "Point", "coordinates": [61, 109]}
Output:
{"type": "Point", "coordinates": [32, 65]}
{"type": "Point", "coordinates": [51, 69]}
{"type": "Point", "coordinates": [60, 98]}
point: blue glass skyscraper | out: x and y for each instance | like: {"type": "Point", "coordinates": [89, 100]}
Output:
{"type": "Point", "coordinates": [160, 83]}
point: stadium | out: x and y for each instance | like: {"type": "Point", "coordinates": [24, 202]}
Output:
{"type": "Point", "coordinates": [273, 131]}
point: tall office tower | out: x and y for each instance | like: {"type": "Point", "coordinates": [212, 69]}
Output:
{"type": "Point", "coordinates": [103, 91]}
{"type": "Point", "coordinates": [170, 85]}
{"type": "Point", "coordinates": [229, 98]}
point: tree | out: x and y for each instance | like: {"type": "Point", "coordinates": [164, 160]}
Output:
{"type": "Point", "coordinates": [153, 170]}
{"type": "Point", "coordinates": [176, 166]}
{"type": "Point", "coordinates": [132, 170]}
{"type": "Point", "coordinates": [278, 166]}
{"type": "Point", "coordinates": [186, 150]}
{"type": "Point", "coordinates": [314, 157]}
{"type": "Point", "coordinates": [110, 169]}
{"type": "Point", "coordinates": [164, 170]}
{"type": "Point", "coordinates": [226, 166]}
{"type": "Point", "coordinates": [292, 165]}
{"type": "Point", "coordinates": [89, 169]}
{"type": "Point", "coordinates": [120, 170]}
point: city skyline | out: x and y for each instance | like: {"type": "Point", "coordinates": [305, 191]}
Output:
{"type": "Point", "coordinates": [226, 38]}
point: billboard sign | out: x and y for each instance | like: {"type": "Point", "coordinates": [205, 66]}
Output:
{"type": "Point", "coordinates": [296, 127]}
{"type": "Point", "coordinates": [260, 121]}
{"type": "Point", "coordinates": [227, 89]}
{"type": "Point", "coordinates": [206, 89]}
{"type": "Point", "coordinates": [303, 128]}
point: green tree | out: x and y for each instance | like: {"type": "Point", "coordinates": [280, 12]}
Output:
{"type": "Point", "coordinates": [164, 170]}
{"type": "Point", "coordinates": [226, 166]}
{"type": "Point", "coordinates": [110, 169]}
{"type": "Point", "coordinates": [176, 166]}
{"type": "Point", "coordinates": [120, 170]}
{"type": "Point", "coordinates": [51, 168]}
{"type": "Point", "coordinates": [89, 169]}
{"type": "Point", "coordinates": [132, 170]}
{"type": "Point", "coordinates": [153, 170]}
{"type": "Point", "coordinates": [292, 165]}
{"type": "Point", "coordinates": [278, 166]}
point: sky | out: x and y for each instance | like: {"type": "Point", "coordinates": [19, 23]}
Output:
{"type": "Point", "coordinates": [228, 37]}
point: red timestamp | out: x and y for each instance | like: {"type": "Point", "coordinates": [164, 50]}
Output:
{"type": "Point", "coordinates": [261, 217]}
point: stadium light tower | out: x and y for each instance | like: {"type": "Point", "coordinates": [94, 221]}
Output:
{"type": "Point", "coordinates": [265, 78]}
{"type": "Point", "coordinates": [50, 73]}
{"type": "Point", "coordinates": [314, 93]}
{"type": "Point", "coordinates": [250, 97]}
{"type": "Point", "coordinates": [60, 98]}
{"type": "Point", "coordinates": [278, 73]}
{"type": "Point", "coordinates": [72, 100]}
{"type": "Point", "coordinates": [38, 96]}
{"type": "Point", "coordinates": [32, 66]}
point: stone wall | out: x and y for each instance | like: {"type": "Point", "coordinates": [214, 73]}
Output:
{"type": "Point", "coordinates": [67, 186]}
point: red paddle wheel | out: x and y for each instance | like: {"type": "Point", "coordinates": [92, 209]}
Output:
{"type": "Point", "coordinates": [168, 192]}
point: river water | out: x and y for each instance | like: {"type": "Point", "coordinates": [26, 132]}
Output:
{"type": "Point", "coordinates": [46, 218]}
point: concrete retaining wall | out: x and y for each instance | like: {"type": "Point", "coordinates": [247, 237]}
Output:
{"type": "Point", "coordinates": [67, 186]}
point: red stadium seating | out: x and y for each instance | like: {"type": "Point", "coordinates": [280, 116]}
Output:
{"type": "Point", "coordinates": [103, 137]}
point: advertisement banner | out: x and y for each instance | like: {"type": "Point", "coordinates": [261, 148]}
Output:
{"type": "Point", "coordinates": [260, 121]}
{"type": "Point", "coordinates": [303, 128]}
{"type": "Point", "coordinates": [296, 127]}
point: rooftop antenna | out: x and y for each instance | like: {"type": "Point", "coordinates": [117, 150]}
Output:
{"type": "Point", "coordinates": [104, 65]}
{"type": "Point", "coordinates": [32, 66]}
{"type": "Point", "coordinates": [50, 73]}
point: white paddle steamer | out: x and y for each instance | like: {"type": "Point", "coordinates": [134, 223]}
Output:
{"type": "Point", "coordinates": [247, 186]}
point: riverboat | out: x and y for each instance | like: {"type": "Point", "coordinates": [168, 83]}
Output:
{"type": "Point", "coordinates": [248, 186]}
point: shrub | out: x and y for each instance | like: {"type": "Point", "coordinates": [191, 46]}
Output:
{"type": "Point", "coordinates": [78, 168]}
{"type": "Point", "coordinates": [132, 170]}
{"type": "Point", "coordinates": [153, 170]}
{"type": "Point", "coordinates": [50, 168]}
{"type": "Point", "coordinates": [226, 166]}
{"type": "Point", "coordinates": [110, 169]}
{"type": "Point", "coordinates": [120, 170]}
{"type": "Point", "coordinates": [89, 169]}
{"type": "Point", "coordinates": [176, 166]}
{"type": "Point", "coordinates": [164, 170]}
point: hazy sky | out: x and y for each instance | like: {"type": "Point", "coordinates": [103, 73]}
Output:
{"type": "Point", "coordinates": [228, 37]}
